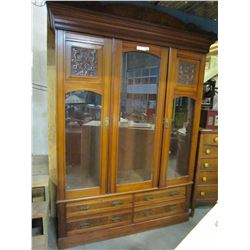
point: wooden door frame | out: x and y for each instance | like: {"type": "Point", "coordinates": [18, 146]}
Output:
{"type": "Point", "coordinates": [175, 91]}
{"type": "Point", "coordinates": [64, 85]}
{"type": "Point", "coordinates": [162, 53]}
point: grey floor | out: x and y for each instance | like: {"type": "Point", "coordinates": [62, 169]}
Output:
{"type": "Point", "coordinates": [164, 238]}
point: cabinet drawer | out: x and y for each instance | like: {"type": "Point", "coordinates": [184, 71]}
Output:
{"type": "Point", "coordinates": [207, 192]}
{"type": "Point", "coordinates": [208, 178]}
{"type": "Point", "coordinates": [208, 164]}
{"type": "Point", "coordinates": [210, 139]}
{"type": "Point", "coordinates": [159, 195]}
{"type": "Point", "coordinates": [92, 206]}
{"type": "Point", "coordinates": [100, 221]}
{"type": "Point", "coordinates": [161, 210]}
{"type": "Point", "coordinates": [209, 151]}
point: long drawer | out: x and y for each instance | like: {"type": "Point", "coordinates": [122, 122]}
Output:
{"type": "Point", "coordinates": [209, 151]}
{"type": "Point", "coordinates": [98, 205]}
{"type": "Point", "coordinates": [208, 164]}
{"type": "Point", "coordinates": [207, 192]}
{"type": "Point", "coordinates": [159, 196]}
{"type": "Point", "coordinates": [99, 221]}
{"type": "Point", "coordinates": [208, 178]}
{"type": "Point", "coordinates": [144, 213]}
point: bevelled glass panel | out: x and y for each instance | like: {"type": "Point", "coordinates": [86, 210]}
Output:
{"type": "Point", "coordinates": [140, 76]}
{"type": "Point", "coordinates": [186, 73]}
{"type": "Point", "coordinates": [84, 62]}
{"type": "Point", "coordinates": [83, 128]}
{"type": "Point", "coordinates": [181, 136]}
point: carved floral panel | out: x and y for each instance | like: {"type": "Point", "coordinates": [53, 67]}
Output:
{"type": "Point", "coordinates": [84, 62]}
{"type": "Point", "coordinates": [186, 75]}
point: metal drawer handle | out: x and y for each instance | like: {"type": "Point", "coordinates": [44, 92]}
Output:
{"type": "Point", "coordinates": [208, 151]}
{"type": "Point", "coordinates": [116, 219]}
{"type": "Point", "coordinates": [203, 193]}
{"type": "Point", "coordinates": [172, 208]}
{"type": "Point", "coordinates": [86, 224]}
{"type": "Point", "coordinates": [148, 197]}
{"type": "Point", "coordinates": [216, 139]}
{"type": "Point", "coordinates": [84, 208]}
{"type": "Point", "coordinates": [204, 179]}
{"type": "Point", "coordinates": [148, 212]}
{"type": "Point", "coordinates": [116, 203]}
{"type": "Point", "coordinates": [173, 193]}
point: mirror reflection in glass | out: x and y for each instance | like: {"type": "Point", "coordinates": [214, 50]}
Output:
{"type": "Point", "coordinates": [82, 125]}
{"type": "Point", "coordinates": [139, 88]}
{"type": "Point", "coordinates": [181, 135]}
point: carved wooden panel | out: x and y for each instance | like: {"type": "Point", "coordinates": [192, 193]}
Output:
{"type": "Point", "coordinates": [186, 73]}
{"type": "Point", "coordinates": [84, 62]}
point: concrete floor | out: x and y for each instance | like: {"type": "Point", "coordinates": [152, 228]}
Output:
{"type": "Point", "coordinates": [164, 238]}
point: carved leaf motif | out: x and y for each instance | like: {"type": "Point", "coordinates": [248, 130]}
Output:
{"type": "Point", "coordinates": [186, 73]}
{"type": "Point", "coordinates": [84, 62]}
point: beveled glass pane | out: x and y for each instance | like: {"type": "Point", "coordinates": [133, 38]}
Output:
{"type": "Point", "coordinates": [84, 62]}
{"type": "Point", "coordinates": [181, 136]}
{"type": "Point", "coordinates": [140, 76]}
{"type": "Point", "coordinates": [186, 73]}
{"type": "Point", "coordinates": [83, 129]}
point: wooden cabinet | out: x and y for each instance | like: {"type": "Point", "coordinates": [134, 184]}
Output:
{"type": "Point", "coordinates": [128, 100]}
{"type": "Point", "coordinates": [206, 181]}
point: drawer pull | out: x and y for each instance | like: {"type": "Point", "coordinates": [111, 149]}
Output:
{"type": "Point", "coordinates": [208, 151]}
{"type": "Point", "coordinates": [116, 218]}
{"type": "Point", "coordinates": [83, 208]}
{"type": "Point", "coordinates": [148, 197]}
{"type": "Point", "coordinates": [173, 193]}
{"type": "Point", "coordinates": [206, 165]}
{"type": "Point", "coordinates": [116, 203]}
{"type": "Point", "coordinates": [204, 179]}
{"type": "Point", "coordinates": [148, 212]}
{"type": "Point", "coordinates": [216, 139]}
{"type": "Point", "coordinates": [203, 193]}
{"type": "Point", "coordinates": [172, 208]}
{"type": "Point", "coordinates": [84, 225]}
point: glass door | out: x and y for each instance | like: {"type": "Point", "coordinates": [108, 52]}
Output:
{"type": "Point", "coordinates": [141, 79]}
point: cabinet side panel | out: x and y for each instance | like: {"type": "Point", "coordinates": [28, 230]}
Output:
{"type": "Point", "coordinates": [51, 78]}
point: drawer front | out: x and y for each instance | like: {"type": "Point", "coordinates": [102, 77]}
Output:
{"type": "Point", "coordinates": [210, 139]}
{"type": "Point", "coordinates": [98, 222]}
{"type": "Point", "coordinates": [159, 196]}
{"type": "Point", "coordinates": [208, 178]}
{"type": "Point", "coordinates": [162, 210]}
{"type": "Point", "coordinates": [209, 151]}
{"type": "Point", "coordinates": [92, 206]}
{"type": "Point", "coordinates": [207, 192]}
{"type": "Point", "coordinates": [208, 164]}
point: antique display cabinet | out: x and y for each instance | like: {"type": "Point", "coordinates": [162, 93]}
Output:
{"type": "Point", "coordinates": [128, 97]}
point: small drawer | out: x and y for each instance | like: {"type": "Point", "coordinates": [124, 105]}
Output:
{"type": "Point", "coordinates": [159, 195]}
{"type": "Point", "coordinates": [157, 211]}
{"type": "Point", "coordinates": [209, 151]}
{"type": "Point", "coordinates": [210, 139]}
{"type": "Point", "coordinates": [208, 164]}
{"type": "Point", "coordinates": [100, 221]}
{"type": "Point", "coordinates": [93, 206]}
{"type": "Point", "coordinates": [38, 194]}
{"type": "Point", "coordinates": [208, 178]}
{"type": "Point", "coordinates": [207, 192]}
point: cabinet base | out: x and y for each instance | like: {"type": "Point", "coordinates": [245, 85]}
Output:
{"type": "Point", "coordinates": [99, 235]}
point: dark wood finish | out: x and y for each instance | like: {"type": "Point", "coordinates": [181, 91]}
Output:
{"type": "Point", "coordinates": [111, 210]}
{"type": "Point", "coordinates": [205, 190]}
{"type": "Point", "coordinates": [85, 21]}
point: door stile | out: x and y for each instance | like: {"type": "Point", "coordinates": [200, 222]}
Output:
{"type": "Point", "coordinates": [114, 112]}
{"type": "Point", "coordinates": [168, 116]}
